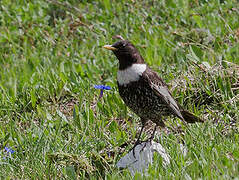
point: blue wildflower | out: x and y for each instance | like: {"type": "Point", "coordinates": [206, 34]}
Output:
{"type": "Point", "coordinates": [9, 150]}
{"type": "Point", "coordinates": [102, 88]}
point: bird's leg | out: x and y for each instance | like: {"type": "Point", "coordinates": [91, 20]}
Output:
{"type": "Point", "coordinates": [152, 136]}
{"type": "Point", "coordinates": [138, 139]}
{"type": "Point", "coordinates": [159, 123]}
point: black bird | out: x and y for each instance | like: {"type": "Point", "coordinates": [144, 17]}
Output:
{"type": "Point", "coordinates": [143, 91]}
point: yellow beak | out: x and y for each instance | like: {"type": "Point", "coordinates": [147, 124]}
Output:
{"type": "Point", "coordinates": [109, 47]}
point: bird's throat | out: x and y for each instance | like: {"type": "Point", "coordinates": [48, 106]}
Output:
{"type": "Point", "coordinates": [130, 74]}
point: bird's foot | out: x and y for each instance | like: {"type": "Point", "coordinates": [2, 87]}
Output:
{"type": "Point", "coordinates": [149, 140]}
{"type": "Point", "coordinates": [140, 142]}
{"type": "Point", "coordinates": [135, 144]}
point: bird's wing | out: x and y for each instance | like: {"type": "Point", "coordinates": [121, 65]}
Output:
{"type": "Point", "coordinates": [161, 90]}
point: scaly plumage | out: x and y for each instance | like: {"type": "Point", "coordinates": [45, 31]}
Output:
{"type": "Point", "coordinates": [142, 90]}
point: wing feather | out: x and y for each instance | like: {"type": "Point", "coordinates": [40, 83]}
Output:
{"type": "Point", "coordinates": [161, 90]}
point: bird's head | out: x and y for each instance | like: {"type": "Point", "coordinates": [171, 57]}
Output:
{"type": "Point", "coordinates": [126, 53]}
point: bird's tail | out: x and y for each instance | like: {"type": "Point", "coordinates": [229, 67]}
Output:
{"type": "Point", "coordinates": [189, 117]}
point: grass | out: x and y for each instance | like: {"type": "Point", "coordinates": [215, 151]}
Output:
{"type": "Point", "coordinates": [51, 57]}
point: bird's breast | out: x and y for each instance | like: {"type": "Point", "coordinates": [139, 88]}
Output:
{"type": "Point", "coordinates": [140, 98]}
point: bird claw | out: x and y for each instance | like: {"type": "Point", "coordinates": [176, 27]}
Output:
{"type": "Point", "coordinates": [136, 144]}
{"type": "Point", "coordinates": [140, 142]}
{"type": "Point", "coordinates": [148, 140]}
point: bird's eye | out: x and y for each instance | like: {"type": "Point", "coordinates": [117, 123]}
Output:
{"type": "Point", "coordinates": [124, 44]}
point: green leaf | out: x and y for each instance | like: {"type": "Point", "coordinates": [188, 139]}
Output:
{"type": "Point", "coordinates": [198, 20]}
{"type": "Point", "coordinates": [33, 98]}
{"type": "Point", "coordinates": [113, 127]}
